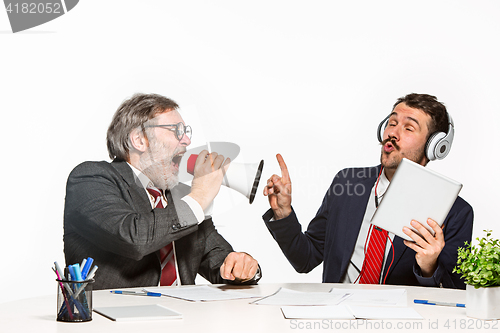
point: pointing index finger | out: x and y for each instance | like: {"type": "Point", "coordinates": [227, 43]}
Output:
{"type": "Point", "coordinates": [284, 170]}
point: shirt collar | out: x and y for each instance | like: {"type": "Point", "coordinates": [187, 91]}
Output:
{"type": "Point", "coordinates": [383, 184]}
{"type": "Point", "coordinates": [145, 181]}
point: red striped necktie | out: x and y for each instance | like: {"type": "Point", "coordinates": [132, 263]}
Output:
{"type": "Point", "coordinates": [374, 257]}
{"type": "Point", "coordinates": [167, 257]}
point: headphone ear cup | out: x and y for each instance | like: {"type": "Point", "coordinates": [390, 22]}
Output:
{"type": "Point", "coordinates": [433, 146]}
{"type": "Point", "coordinates": [442, 149]}
{"type": "Point", "coordinates": [381, 129]}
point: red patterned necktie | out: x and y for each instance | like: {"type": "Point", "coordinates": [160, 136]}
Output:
{"type": "Point", "coordinates": [167, 258]}
{"type": "Point", "coordinates": [374, 257]}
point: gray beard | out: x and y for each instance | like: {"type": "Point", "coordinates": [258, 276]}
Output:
{"type": "Point", "coordinates": [160, 173]}
{"type": "Point", "coordinates": [161, 180]}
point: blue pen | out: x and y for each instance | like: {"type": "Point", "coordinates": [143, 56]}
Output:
{"type": "Point", "coordinates": [136, 293]}
{"type": "Point", "coordinates": [424, 301]}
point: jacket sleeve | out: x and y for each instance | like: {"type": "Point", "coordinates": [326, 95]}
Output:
{"type": "Point", "coordinates": [107, 212]}
{"type": "Point", "coordinates": [457, 230]}
{"type": "Point", "coordinates": [304, 250]}
{"type": "Point", "coordinates": [213, 249]}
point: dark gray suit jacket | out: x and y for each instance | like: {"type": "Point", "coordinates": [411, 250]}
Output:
{"type": "Point", "coordinates": [108, 216]}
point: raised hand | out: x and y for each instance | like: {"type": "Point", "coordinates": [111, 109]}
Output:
{"type": "Point", "coordinates": [279, 191]}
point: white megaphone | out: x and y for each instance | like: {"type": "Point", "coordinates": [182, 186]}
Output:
{"type": "Point", "coordinates": [241, 177]}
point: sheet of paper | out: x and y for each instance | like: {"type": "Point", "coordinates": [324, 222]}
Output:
{"type": "Point", "coordinates": [201, 293]}
{"type": "Point", "coordinates": [292, 297]}
{"type": "Point", "coordinates": [379, 312]}
{"type": "Point", "coordinates": [396, 297]}
{"type": "Point", "coordinates": [317, 312]}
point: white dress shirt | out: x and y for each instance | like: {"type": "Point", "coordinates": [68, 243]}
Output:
{"type": "Point", "coordinates": [358, 255]}
{"type": "Point", "coordinates": [193, 204]}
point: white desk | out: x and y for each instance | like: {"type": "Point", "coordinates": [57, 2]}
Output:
{"type": "Point", "coordinates": [39, 314]}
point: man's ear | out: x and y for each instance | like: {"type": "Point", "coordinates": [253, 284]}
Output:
{"type": "Point", "coordinates": [138, 140]}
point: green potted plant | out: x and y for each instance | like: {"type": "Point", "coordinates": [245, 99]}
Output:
{"type": "Point", "coordinates": [479, 265]}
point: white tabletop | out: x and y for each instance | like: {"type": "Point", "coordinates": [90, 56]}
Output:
{"type": "Point", "coordinates": [39, 314]}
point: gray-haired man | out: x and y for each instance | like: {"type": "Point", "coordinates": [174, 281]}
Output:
{"type": "Point", "coordinates": [131, 215]}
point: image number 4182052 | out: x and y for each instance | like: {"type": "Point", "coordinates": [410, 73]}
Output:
{"type": "Point", "coordinates": [26, 14]}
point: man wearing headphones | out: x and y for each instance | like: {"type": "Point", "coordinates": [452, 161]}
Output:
{"type": "Point", "coordinates": [340, 235]}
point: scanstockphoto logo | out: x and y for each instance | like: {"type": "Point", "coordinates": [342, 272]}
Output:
{"type": "Point", "coordinates": [26, 14]}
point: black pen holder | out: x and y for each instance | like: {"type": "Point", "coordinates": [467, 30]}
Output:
{"type": "Point", "coordinates": [74, 300]}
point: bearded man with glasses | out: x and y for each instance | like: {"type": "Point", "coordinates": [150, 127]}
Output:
{"type": "Point", "coordinates": [133, 217]}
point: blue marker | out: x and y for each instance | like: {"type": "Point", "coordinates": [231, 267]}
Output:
{"type": "Point", "coordinates": [72, 273]}
{"type": "Point", "coordinates": [85, 270]}
{"type": "Point", "coordinates": [424, 301]}
{"type": "Point", "coordinates": [77, 272]}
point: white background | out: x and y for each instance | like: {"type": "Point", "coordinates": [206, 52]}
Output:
{"type": "Point", "coordinates": [310, 80]}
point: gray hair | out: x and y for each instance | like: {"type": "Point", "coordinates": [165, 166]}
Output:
{"type": "Point", "coordinates": [131, 114]}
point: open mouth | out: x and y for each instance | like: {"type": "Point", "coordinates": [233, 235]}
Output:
{"type": "Point", "coordinates": [176, 160]}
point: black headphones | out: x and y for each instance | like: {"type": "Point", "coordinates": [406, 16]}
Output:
{"type": "Point", "coordinates": [438, 145]}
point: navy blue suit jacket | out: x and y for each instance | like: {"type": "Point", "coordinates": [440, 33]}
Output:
{"type": "Point", "coordinates": [332, 234]}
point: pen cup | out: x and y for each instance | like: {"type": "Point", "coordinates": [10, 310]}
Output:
{"type": "Point", "coordinates": [74, 300]}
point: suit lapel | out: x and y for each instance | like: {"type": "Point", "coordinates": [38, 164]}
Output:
{"type": "Point", "coordinates": [354, 214]}
{"type": "Point", "coordinates": [357, 213]}
{"type": "Point", "coordinates": [135, 190]}
{"type": "Point", "coordinates": [141, 199]}
{"type": "Point", "coordinates": [359, 208]}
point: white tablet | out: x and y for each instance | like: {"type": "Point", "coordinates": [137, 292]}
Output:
{"type": "Point", "coordinates": [415, 193]}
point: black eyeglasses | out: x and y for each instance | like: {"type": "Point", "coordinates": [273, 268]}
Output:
{"type": "Point", "coordinates": [179, 129]}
